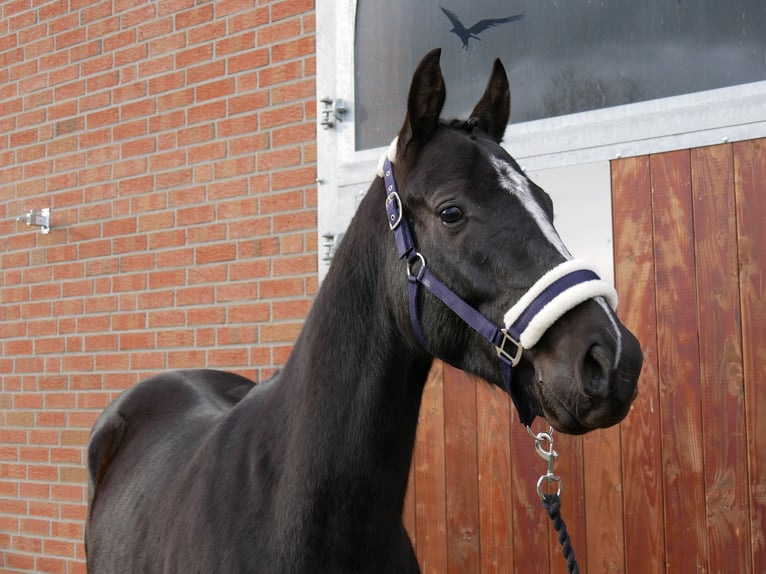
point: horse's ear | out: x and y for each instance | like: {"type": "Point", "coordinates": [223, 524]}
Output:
{"type": "Point", "coordinates": [493, 110]}
{"type": "Point", "coordinates": [424, 103]}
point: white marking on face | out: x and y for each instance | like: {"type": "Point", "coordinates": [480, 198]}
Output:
{"type": "Point", "coordinates": [618, 335]}
{"type": "Point", "coordinates": [518, 186]}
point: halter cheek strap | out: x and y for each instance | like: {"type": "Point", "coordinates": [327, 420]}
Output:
{"type": "Point", "coordinates": [555, 293]}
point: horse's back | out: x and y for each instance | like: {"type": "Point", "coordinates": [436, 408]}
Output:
{"type": "Point", "coordinates": [140, 446]}
{"type": "Point", "coordinates": [160, 404]}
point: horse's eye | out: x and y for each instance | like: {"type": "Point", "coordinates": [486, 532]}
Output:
{"type": "Point", "coordinates": [451, 215]}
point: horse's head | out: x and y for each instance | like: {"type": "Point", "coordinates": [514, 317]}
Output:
{"type": "Point", "coordinates": [486, 231]}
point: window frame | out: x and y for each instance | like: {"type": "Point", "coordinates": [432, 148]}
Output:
{"type": "Point", "coordinates": [676, 122]}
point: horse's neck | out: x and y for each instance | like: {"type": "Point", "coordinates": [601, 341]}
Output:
{"type": "Point", "coordinates": [352, 389]}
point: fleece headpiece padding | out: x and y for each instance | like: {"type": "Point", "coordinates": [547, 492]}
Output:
{"type": "Point", "coordinates": [554, 302]}
{"type": "Point", "coordinates": [390, 155]}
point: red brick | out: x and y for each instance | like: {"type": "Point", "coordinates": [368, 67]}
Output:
{"type": "Point", "coordinates": [142, 361]}
{"type": "Point", "coordinates": [287, 8]}
{"type": "Point", "coordinates": [195, 295]}
{"type": "Point", "coordinates": [155, 299]}
{"type": "Point", "coordinates": [294, 48]}
{"type": "Point", "coordinates": [207, 112]}
{"type": "Point", "coordinates": [249, 270]}
{"type": "Point", "coordinates": [195, 134]}
{"type": "Point", "coordinates": [234, 167]}
{"type": "Point", "coordinates": [250, 60]}
{"type": "Point", "coordinates": [280, 116]}
{"type": "Point", "coordinates": [299, 177]}
{"type": "Point", "coordinates": [211, 31]}
{"type": "Point", "coordinates": [169, 121]}
{"type": "Point", "coordinates": [217, 89]}
{"type": "Point", "coordinates": [186, 359]}
{"type": "Point", "coordinates": [197, 214]}
{"type": "Point", "coordinates": [20, 562]}
{"type": "Point", "coordinates": [175, 338]}
{"type": "Point", "coordinates": [275, 288]}
{"type": "Point", "coordinates": [167, 82]}
{"type": "Point", "coordinates": [279, 31]}
{"type": "Point", "coordinates": [142, 340]}
{"type": "Point", "coordinates": [279, 332]}
{"type": "Point", "coordinates": [293, 134]}
{"type": "Point", "coordinates": [235, 43]}
{"type": "Point", "coordinates": [193, 56]}
{"type": "Point", "coordinates": [245, 9]}
{"type": "Point", "coordinates": [290, 92]}
{"type": "Point", "coordinates": [249, 144]}
{"type": "Point", "coordinates": [207, 316]}
{"type": "Point", "coordinates": [194, 17]}
{"type": "Point", "coordinates": [50, 565]}
{"type": "Point", "coordinates": [249, 313]}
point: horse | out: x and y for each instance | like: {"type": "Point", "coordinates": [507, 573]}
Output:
{"type": "Point", "coordinates": [205, 471]}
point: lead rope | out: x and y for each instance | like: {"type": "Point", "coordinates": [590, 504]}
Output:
{"type": "Point", "coordinates": [551, 501]}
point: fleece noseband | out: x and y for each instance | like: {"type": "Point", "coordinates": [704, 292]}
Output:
{"type": "Point", "coordinates": [556, 292]}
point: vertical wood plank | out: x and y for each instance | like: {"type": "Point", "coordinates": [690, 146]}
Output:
{"type": "Point", "coordinates": [678, 360]}
{"type": "Point", "coordinates": [603, 497]}
{"type": "Point", "coordinates": [430, 488]}
{"type": "Point", "coordinates": [641, 432]}
{"type": "Point", "coordinates": [569, 466]}
{"type": "Point", "coordinates": [723, 409]}
{"type": "Point", "coordinates": [530, 523]}
{"type": "Point", "coordinates": [462, 473]}
{"type": "Point", "coordinates": [495, 492]}
{"type": "Point", "coordinates": [750, 191]}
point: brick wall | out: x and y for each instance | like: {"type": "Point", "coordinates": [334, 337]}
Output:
{"type": "Point", "coordinates": [175, 142]}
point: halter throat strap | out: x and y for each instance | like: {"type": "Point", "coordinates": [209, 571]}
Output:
{"type": "Point", "coordinates": [557, 291]}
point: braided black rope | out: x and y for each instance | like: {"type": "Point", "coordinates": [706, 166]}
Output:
{"type": "Point", "coordinates": [552, 505]}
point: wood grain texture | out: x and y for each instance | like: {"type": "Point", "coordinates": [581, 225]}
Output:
{"type": "Point", "coordinates": [462, 472]}
{"type": "Point", "coordinates": [495, 491]}
{"type": "Point", "coordinates": [720, 344]}
{"type": "Point", "coordinates": [530, 523]}
{"type": "Point", "coordinates": [640, 436]}
{"type": "Point", "coordinates": [603, 496]}
{"type": "Point", "coordinates": [570, 468]}
{"type": "Point", "coordinates": [430, 488]}
{"type": "Point", "coordinates": [678, 360]}
{"type": "Point", "coordinates": [750, 194]}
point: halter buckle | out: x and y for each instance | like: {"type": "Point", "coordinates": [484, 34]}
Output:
{"type": "Point", "coordinates": [394, 211]}
{"type": "Point", "coordinates": [513, 356]}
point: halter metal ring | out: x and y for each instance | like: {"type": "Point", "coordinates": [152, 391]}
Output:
{"type": "Point", "coordinates": [418, 257]}
{"type": "Point", "coordinates": [549, 479]}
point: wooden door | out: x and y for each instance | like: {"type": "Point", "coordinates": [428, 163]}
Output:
{"type": "Point", "coordinates": [679, 485]}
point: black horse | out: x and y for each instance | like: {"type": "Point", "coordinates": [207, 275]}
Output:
{"type": "Point", "coordinates": [202, 471]}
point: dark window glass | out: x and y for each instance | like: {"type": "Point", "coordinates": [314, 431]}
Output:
{"type": "Point", "coordinates": [563, 56]}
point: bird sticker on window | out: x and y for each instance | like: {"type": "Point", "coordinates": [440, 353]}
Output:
{"type": "Point", "coordinates": [465, 34]}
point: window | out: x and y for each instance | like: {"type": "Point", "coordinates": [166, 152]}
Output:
{"type": "Point", "coordinates": [562, 56]}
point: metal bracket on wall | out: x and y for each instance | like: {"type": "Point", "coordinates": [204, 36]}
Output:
{"type": "Point", "coordinates": [333, 111]}
{"type": "Point", "coordinates": [40, 218]}
{"type": "Point", "coordinates": [330, 244]}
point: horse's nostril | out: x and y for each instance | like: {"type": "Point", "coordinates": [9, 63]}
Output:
{"type": "Point", "coordinates": [596, 368]}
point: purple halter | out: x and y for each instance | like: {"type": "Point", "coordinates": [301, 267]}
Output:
{"type": "Point", "coordinates": [557, 291]}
